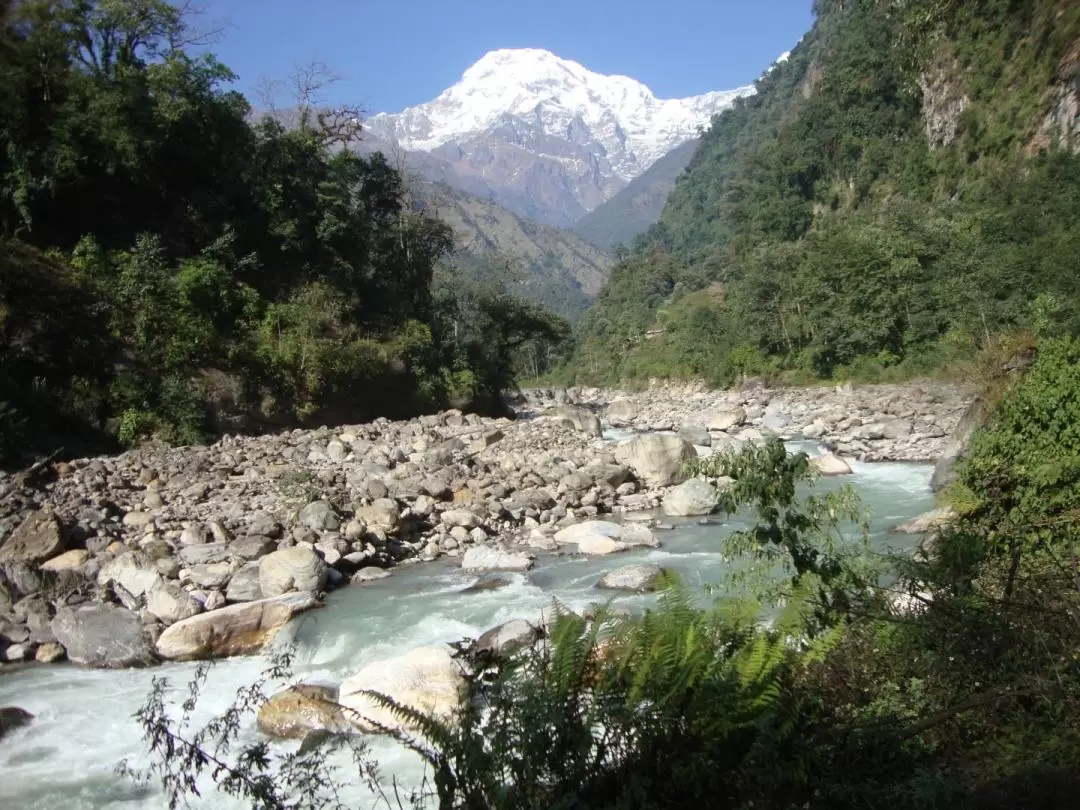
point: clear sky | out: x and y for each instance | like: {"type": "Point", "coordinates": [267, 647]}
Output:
{"type": "Point", "coordinates": [395, 53]}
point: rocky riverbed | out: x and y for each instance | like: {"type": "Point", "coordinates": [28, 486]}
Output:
{"type": "Point", "coordinates": [179, 553]}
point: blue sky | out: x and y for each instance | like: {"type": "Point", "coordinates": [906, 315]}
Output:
{"type": "Point", "coordinates": [395, 53]}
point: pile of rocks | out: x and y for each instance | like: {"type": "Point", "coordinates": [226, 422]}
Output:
{"type": "Point", "coordinates": [191, 552]}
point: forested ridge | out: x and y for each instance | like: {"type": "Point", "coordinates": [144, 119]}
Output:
{"type": "Point", "coordinates": [899, 190]}
{"type": "Point", "coordinates": [173, 265]}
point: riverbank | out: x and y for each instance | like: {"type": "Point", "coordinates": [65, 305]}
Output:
{"type": "Point", "coordinates": [176, 552]}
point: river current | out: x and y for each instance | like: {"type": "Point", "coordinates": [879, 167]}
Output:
{"type": "Point", "coordinates": [66, 759]}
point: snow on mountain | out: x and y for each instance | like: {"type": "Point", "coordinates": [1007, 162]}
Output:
{"type": "Point", "coordinates": [543, 135]}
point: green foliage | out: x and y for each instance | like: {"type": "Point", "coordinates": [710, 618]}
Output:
{"type": "Point", "coordinates": [818, 225]}
{"type": "Point", "coordinates": [195, 271]}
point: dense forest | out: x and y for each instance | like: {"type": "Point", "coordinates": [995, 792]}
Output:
{"type": "Point", "coordinates": [171, 264]}
{"type": "Point", "coordinates": [901, 188]}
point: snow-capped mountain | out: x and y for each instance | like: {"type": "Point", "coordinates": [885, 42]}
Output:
{"type": "Point", "coordinates": [543, 136]}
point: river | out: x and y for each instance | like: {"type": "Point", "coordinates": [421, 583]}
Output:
{"type": "Point", "coordinates": [66, 759]}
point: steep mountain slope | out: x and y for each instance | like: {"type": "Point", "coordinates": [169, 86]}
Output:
{"type": "Point", "coordinates": [547, 265]}
{"type": "Point", "coordinates": [544, 136]}
{"type": "Point", "coordinates": [897, 191]}
{"type": "Point", "coordinates": [630, 212]}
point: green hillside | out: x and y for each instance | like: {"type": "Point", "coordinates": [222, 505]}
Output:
{"type": "Point", "coordinates": [901, 188]}
{"type": "Point", "coordinates": [631, 212]}
{"type": "Point", "coordinates": [542, 263]}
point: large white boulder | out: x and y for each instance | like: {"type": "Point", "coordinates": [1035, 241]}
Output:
{"type": "Point", "coordinates": [240, 629]}
{"type": "Point", "coordinates": [830, 464]}
{"type": "Point", "coordinates": [726, 417]}
{"type": "Point", "coordinates": [691, 498]}
{"type": "Point", "coordinates": [297, 568]}
{"type": "Point", "coordinates": [426, 679]}
{"type": "Point", "coordinates": [490, 558]}
{"type": "Point", "coordinates": [599, 537]}
{"type": "Point", "coordinates": [658, 460]}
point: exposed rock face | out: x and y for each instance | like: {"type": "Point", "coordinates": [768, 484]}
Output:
{"type": "Point", "coordinates": [635, 578]}
{"type": "Point", "coordinates": [240, 629]}
{"type": "Point", "coordinates": [694, 497]}
{"type": "Point", "coordinates": [36, 539]}
{"type": "Point", "coordinates": [957, 445]}
{"type": "Point", "coordinates": [659, 460]}
{"type": "Point", "coordinates": [426, 679]}
{"type": "Point", "coordinates": [300, 710]}
{"type": "Point", "coordinates": [943, 102]}
{"type": "Point", "coordinates": [103, 636]}
{"type": "Point", "coordinates": [288, 569]}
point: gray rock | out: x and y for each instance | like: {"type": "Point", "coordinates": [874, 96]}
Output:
{"type": "Point", "coordinates": [726, 417]}
{"type": "Point", "coordinates": [103, 636]}
{"type": "Point", "coordinates": [691, 498]}
{"type": "Point", "coordinates": [461, 517]}
{"type": "Point", "coordinates": [319, 516]}
{"type": "Point", "coordinates": [697, 435]}
{"type": "Point", "coordinates": [488, 558]}
{"type": "Point", "coordinates": [297, 568]}
{"type": "Point", "coordinates": [252, 547]}
{"type": "Point", "coordinates": [491, 582]}
{"type": "Point", "coordinates": [135, 577]}
{"type": "Point", "coordinates": [36, 539]}
{"type": "Point", "coordinates": [263, 525]}
{"type": "Point", "coordinates": [897, 429]}
{"type": "Point", "coordinates": [581, 419]}
{"type": "Point", "coordinates": [194, 535]}
{"type": "Point", "coordinates": [171, 603]}
{"type": "Point", "coordinates": [244, 585]}
{"type": "Point", "coordinates": [658, 460]}
{"type": "Point", "coordinates": [641, 578]}
{"type": "Point", "coordinates": [369, 574]}
{"type": "Point", "coordinates": [208, 553]}
{"type": "Point", "coordinates": [508, 638]}
{"type": "Point", "coordinates": [621, 412]}
{"type": "Point", "coordinates": [210, 575]}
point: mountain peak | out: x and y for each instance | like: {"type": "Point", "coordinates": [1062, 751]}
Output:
{"type": "Point", "coordinates": [549, 125]}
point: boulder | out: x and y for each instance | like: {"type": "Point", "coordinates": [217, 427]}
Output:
{"type": "Point", "coordinates": [604, 537]}
{"type": "Point", "coordinates": [50, 652]}
{"type": "Point", "coordinates": [240, 629]}
{"type": "Point", "coordinates": [297, 568]}
{"type": "Point", "coordinates": [35, 540]}
{"type": "Point", "coordinates": [11, 718]}
{"type": "Point", "coordinates": [210, 575]}
{"type": "Point", "coordinates": [491, 582]}
{"type": "Point", "coordinates": [659, 460]}
{"type": "Point", "coordinates": [383, 514]}
{"type": "Point", "coordinates": [369, 573]}
{"type": "Point", "coordinates": [830, 464]}
{"type": "Point", "coordinates": [927, 522]}
{"type": "Point", "coordinates": [582, 420]}
{"type": "Point", "coordinates": [130, 574]}
{"type": "Point", "coordinates": [641, 578]}
{"type": "Point", "coordinates": [103, 636]}
{"type": "Point", "coordinates": [508, 638]}
{"type": "Point", "coordinates": [426, 679]}
{"type": "Point", "coordinates": [694, 497]}
{"type": "Point", "coordinates": [490, 558]}
{"type": "Point", "coordinates": [66, 561]}
{"type": "Point", "coordinates": [244, 584]}
{"type": "Point", "coordinates": [170, 603]}
{"type": "Point", "coordinates": [726, 417]}
{"type": "Point", "coordinates": [697, 435]}
{"type": "Point", "coordinates": [621, 412]}
{"type": "Point", "coordinates": [299, 710]}
{"type": "Point", "coordinates": [897, 429]}
{"type": "Point", "coordinates": [253, 547]}
{"type": "Point", "coordinates": [319, 516]}
{"type": "Point", "coordinates": [461, 517]}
